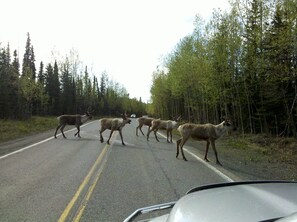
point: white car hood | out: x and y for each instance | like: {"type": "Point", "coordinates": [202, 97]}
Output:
{"type": "Point", "coordinates": [253, 202]}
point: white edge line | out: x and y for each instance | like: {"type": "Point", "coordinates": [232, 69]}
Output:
{"type": "Point", "coordinates": [40, 142]}
{"type": "Point", "coordinates": [224, 176]}
{"type": "Point", "coordinates": [25, 148]}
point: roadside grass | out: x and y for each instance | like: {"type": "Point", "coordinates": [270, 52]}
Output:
{"type": "Point", "coordinates": [272, 148]}
{"type": "Point", "coordinates": [267, 156]}
{"type": "Point", "coordinates": [13, 129]}
{"type": "Point", "coordinates": [264, 155]}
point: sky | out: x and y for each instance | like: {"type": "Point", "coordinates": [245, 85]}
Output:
{"type": "Point", "coordinates": [127, 39]}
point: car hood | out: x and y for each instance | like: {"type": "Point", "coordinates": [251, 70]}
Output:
{"type": "Point", "coordinates": [235, 202]}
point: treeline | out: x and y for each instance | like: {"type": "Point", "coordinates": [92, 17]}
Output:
{"type": "Point", "coordinates": [239, 65]}
{"type": "Point", "coordinates": [57, 88]}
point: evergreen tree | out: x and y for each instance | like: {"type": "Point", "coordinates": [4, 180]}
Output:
{"type": "Point", "coordinates": [67, 102]}
{"type": "Point", "coordinates": [41, 77]}
{"type": "Point", "coordinates": [55, 91]}
{"type": "Point", "coordinates": [103, 91]}
{"type": "Point", "coordinates": [4, 80]}
{"type": "Point", "coordinates": [15, 63]}
{"type": "Point", "coordinates": [32, 63]}
{"type": "Point", "coordinates": [87, 90]}
{"type": "Point", "coordinates": [9, 85]}
{"type": "Point", "coordinates": [29, 59]}
{"type": "Point", "coordinates": [42, 104]}
{"type": "Point", "coordinates": [13, 85]}
{"type": "Point", "coordinates": [49, 86]}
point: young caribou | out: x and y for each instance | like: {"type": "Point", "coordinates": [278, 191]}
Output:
{"type": "Point", "coordinates": [147, 121]}
{"type": "Point", "coordinates": [167, 125]}
{"type": "Point", "coordinates": [207, 132]}
{"type": "Point", "coordinates": [113, 124]}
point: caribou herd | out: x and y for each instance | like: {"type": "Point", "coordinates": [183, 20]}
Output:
{"type": "Point", "coordinates": [201, 132]}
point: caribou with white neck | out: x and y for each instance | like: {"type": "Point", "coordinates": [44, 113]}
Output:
{"type": "Point", "coordinates": [207, 132]}
{"type": "Point", "coordinates": [113, 124]}
{"type": "Point", "coordinates": [167, 125]}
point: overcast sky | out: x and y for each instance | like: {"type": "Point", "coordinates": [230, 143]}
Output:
{"type": "Point", "coordinates": [125, 38]}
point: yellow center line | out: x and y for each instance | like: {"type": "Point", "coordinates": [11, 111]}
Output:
{"type": "Point", "coordinates": [87, 197]}
{"type": "Point", "coordinates": [64, 215]}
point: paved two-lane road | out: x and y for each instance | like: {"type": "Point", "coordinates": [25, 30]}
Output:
{"type": "Point", "coordinates": [81, 179]}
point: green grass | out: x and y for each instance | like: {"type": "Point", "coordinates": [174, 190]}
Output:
{"type": "Point", "coordinates": [236, 143]}
{"type": "Point", "coordinates": [13, 129]}
{"type": "Point", "coordinates": [262, 146]}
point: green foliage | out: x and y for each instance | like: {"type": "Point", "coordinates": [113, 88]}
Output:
{"type": "Point", "coordinates": [29, 59]}
{"type": "Point", "coordinates": [240, 65]}
{"type": "Point", "coordinates": [160, 94]}
{"type": "Point", "coordinates": [59, 88]}
{"type": "Point", "coordinates": [13, 129]}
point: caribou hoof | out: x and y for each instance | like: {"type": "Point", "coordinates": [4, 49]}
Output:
{"type": "Point", "coordinates": [219, 163]}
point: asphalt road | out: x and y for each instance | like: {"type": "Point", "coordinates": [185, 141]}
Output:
{"type": "Point", "coordinates": [81, 179]}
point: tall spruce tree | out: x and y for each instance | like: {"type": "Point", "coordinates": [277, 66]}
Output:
{"type": "Point", "coordinates": [56, 90]}
{"type": "Point", "coordinates": [13, 84]}
{"type": "Point", "coordinates": [41, 77]}
{"type": "Point", "coordinates": [49, 84]}
{"type": "Point", "coordinates": [16, 63]}
{"type": "Point", "coordinates": [28, 88]}
{"type": "Point", "coordinates": [52, 88]}
{"type": "Point", "coordinates": [29, 59]}
{"type": "Point", "coordinates": [67, 102]}
{"type": "Point", "coordinates": [4, 79]}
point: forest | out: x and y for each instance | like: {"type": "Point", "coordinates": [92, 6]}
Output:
{"type": "Point", "coordinates": [239, 65]}
{"type": "Point", "coordinates": [57, 88]}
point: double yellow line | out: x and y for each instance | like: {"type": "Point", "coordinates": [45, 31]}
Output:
{"type": "Point", "coordinates": [86, 180]}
